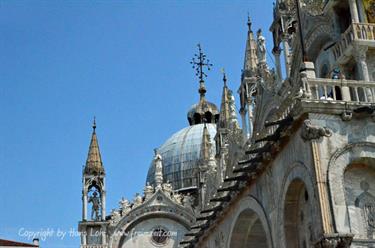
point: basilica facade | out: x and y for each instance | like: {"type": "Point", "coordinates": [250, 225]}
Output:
{"type": "Point", "coordinates": [295, 168]}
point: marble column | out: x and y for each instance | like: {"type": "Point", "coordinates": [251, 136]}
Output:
{"type": "Point", "coordinates": [84, 202]}
{"type": "Point", "coordinates": [286, 54]}
{"type": "Point", "coordinates": [354, 10]}
{"type": "Point", "coordinates": [244, 123]}
{"type": "Point", "coordinates": [276, 52]}
{"type": "Point", "coordinates": [360, 57]}
{"type": "Point", "coordinates": [250, 115]}
{"type": "Point", "coordinates": [103, 204]}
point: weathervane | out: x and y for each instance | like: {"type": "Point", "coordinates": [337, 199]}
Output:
{"type": "Point", "coordinates": [199, 61]}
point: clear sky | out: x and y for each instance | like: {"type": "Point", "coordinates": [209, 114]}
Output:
{"type": "Point", "coordinates": [125, 62]}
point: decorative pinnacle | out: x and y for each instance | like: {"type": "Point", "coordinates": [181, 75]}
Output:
{"type": "Point", "coordinates": [199, 61]}
{"type": "Point", "coordinates": [248, 21]}
{"type": "Point", "coordinates": [224, 77]}
{"type": "Point", "coordinates": [94, 124]}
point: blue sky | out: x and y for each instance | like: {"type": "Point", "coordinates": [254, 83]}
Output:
{"type": "Point", "coordinates": [125, 62]}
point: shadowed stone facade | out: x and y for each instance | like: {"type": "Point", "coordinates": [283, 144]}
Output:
{"type": "Point", "coordinates": [299, 172]}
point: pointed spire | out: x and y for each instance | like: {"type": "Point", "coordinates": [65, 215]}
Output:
{"type": "Point", "coordinates": [251, 60]}
{"type": "Point", "coordinates": [94, 163]}
{"type": "Point", "coordinates": [228, 115]}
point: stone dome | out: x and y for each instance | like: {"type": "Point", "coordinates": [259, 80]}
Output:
{"type": "Point", "coordinates": [181, 154]}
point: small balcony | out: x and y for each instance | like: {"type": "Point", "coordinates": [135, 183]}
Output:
{"type": "Point", "coordinates": [359, 33]}
{"type": "Point", "coordinates": [323, 89]}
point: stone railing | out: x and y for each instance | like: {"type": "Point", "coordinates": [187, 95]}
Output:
{"type": "Point", "coordinates": [364, 31]}
{"type": "Point", "coordinates": [342, 90]}
{"type": "Point", "coordinates": [356, 31]}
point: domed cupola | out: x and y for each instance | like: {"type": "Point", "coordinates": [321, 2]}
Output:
{"type": "Point", "coordinates": [181, 153]}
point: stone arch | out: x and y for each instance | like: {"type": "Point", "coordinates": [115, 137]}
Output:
{"type": "Point", "coordinates": [338, 164]}
{"type": "Point", "coordinates": [297, 179]}
{"type": "Point", "coordinates": [317, 38]}
{"type": "Point", "coordinates": [250, 226]}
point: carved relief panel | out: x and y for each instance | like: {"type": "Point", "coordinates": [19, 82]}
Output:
{"type": "Point", "coordinates": [360, 199]}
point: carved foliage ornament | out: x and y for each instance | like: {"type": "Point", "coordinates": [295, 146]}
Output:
{"type": "Point", "coordinates": [310, 132]}
{"type": "Point", "coordinates": [313, 7]}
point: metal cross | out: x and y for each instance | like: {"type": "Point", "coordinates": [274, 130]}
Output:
{"type": "Point", "coordinates": [199, 61]}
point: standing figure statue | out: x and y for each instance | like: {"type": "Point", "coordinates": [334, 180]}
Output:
{"type": "Point", "coordinates": [95, 200]}
{"type": "Point", "coordinates": [158, 170]}
{"type": "Point", "coordinates": [261, 47]}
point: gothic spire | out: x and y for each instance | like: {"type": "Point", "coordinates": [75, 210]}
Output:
{"type": "Point", "coordinates": [94, 163]}
{"type": "Point", "coordinates": [251, 60]}
{"type": "Point", "coordinates": [227, 116]}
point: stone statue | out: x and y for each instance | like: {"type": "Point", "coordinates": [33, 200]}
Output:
{"type": "Point", "coordinates": [261, 47]}
{"type": "Point", "coordinates": [115, 216]}
{"type": "Point", "coordinates": [137, 200]}
{"type": "Point", "coordinates": [177, 198]}
{"type": "Point", "coordinates": [167, 188]}
{"type": "Point", "coordinates": [95, 200]}
{"type": "Point", "coordinates": [158, 169]}
{"type": "Point", "coordinates": [124, 206]}
{"type": "Point", "coordinates": [366, 202]}
{"type": "Point", "coordinates": [148, 191]}
{"type": "Point", "coordinates": [188, 202]}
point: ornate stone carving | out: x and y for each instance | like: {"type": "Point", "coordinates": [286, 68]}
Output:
{"type": "Point", "coordinates": [313, 7]}
{"type": "Point", "coordinates": [115, 217]}
{"type": "Point", "coordinates": [158, 170]}
{"type": "Point", "coordinates": [346, 116]}
{"type": "Point", "coordinates": [177, 198]}
{"type": "Point", "coordinates": [310, 131]}
{"type": "Point", "coordinates": [124, 206]}
{"type": "Point", "coordinates": [366, 202]}
{"type": "Point", "coordinates": [219, 240]}
{"type": "Point", "coordinates": [261, 47]}
{"type": "Point", "coordinates": [336, 240]}
{"type": "Point", "coordinates": [188, 202]}
{"type": "Point", "coordinates": [137, 200]}
{"type": "Point", "coordinates": [167, 188]}
{"type": "Point", "coordinates": [148, 191]}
